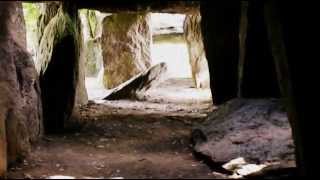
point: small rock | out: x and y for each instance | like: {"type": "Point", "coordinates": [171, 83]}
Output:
{"type": "Point", "coordinates": [61, 177]}
{"type": "Point", "coordinates": [25, 163]}
{"type": "Point", "coordinates": [100, 146]}
{"type": "Point", "coordinates": [28, 176]}
{"type": "Point", "coordinates": [234, 164]}
{"type": "Point", "coordinates": [250, 169]}
{"type": "Point", "coordinates": [103, 139]}
{"type": "Point", "coordinates": [89, 143]}
{"type": "Point", "coordinates": [116, 178]}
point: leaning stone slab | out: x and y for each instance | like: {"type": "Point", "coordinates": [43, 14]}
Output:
{"type": "Point", "coordinates": [138, 84]}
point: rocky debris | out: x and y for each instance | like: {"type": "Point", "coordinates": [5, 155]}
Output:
{"type": "Point", "coordinates": [139, 84]}
{"type": "Point", "coordinates": [21, 110]}
{"type": "Point", "coordinates": [198, 61]}
{"type": "Point", "coordinates": [126, 47]}
{"type": "Point", "coordinates": [257, 131]}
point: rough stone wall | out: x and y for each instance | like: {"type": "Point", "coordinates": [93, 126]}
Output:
{"type": "Point", "coordinates": [16, 24]}
{"type": "Point", "coordinates": [47, 11]}
{"type": "Point", "coordinates": [126, 46]}
{"type": "Point", "coordinates": [198, 61]}
{"type": "Point", "coordinates": [58, 66]}
{"type": "Point", "coordinates": [21, 110]}
{"type": "Point", "coordinates": [259, 77]}
{"type": "Point", "coordinates": [220, 30]}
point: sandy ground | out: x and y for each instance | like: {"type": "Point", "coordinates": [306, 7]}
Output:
{"type": "Point", "coordinates": [126, 139]}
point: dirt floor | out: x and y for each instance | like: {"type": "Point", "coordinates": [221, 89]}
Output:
{"type": "Point", "coordinates": [127, 139]}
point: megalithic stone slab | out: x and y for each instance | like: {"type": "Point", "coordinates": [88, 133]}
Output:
{"type": "Point", "coordinates": [126, 46]}
{"type": "Point", "coordinates": [197, 56]}
{"type": "Point", "coordinates": [139, 84]}
{"type": "Point", "coordinates": [20, 102]}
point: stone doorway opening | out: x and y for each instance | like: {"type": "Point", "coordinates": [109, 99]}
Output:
{"type": "Point", "coordinates": [113, 57]}
{"type": "Point", "coordinates": [104, 137]}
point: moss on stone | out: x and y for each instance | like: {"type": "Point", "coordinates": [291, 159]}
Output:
{"type": "Point", "coordinates": [58, 28]}
{"type": "Point", "coordinates": [93, 22]}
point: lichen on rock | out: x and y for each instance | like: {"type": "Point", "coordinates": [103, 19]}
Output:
{"type": "Point", "coordinates": [58, 64]}
{"type": "Point", "coordinates": [198, 60]}
{"type": "Point", "coordinates": [126, 46]}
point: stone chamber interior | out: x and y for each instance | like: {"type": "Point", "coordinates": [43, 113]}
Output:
{"type": "Point", "coordinates": [151, 89]}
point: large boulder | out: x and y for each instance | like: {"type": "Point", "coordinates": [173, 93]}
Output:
{"type": "Point", "coordinates": [16, 24]}
{"type": "Point", "coordinates": [21, 110]}
{"type": "Point", "coordinates": [126, 46]}
{"type": "Point", "coordinates": [197, 56]}
{"type": "Point", "coordinates": [256, 130]}
{"type": "Point", "coordinates": [58, 65]}
{"type": "Point", "coordinates": [136, 87]}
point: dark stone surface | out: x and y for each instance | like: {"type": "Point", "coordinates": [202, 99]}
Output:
{"type": "Point", "coordinates": [58, 66]}
{"type": "Point", "coordinates": [257, 130]}
{"type": "Point", "coordinates": [220, 30]}
{"type": "Point", "coordinates": [126, 46]}
{"type": "Point", "coordinates": [21, 110]}
{"type": "Point", "coordinates": [259, 79]}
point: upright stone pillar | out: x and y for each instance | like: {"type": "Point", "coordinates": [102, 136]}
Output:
{"type": "Point", "coordinates": [220, 30]}
{"type": "Point", "coordinates": [126, 46]}
{"type": "Point", "coordinates": [292, 36]}
{"type": "Point", "coordinates": [259, 78]}
{"type": "Point", "coordinates": [197, 56]}
{"type": "Point", "coordinates": [58, 66]}
{"type": "Point", "coordinates": [21, 110]}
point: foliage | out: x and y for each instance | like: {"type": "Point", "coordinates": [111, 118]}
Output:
{"type": "Point", "coordinates": [92, 22]}
{"type": "Point", "coordinates": [31, 13]}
